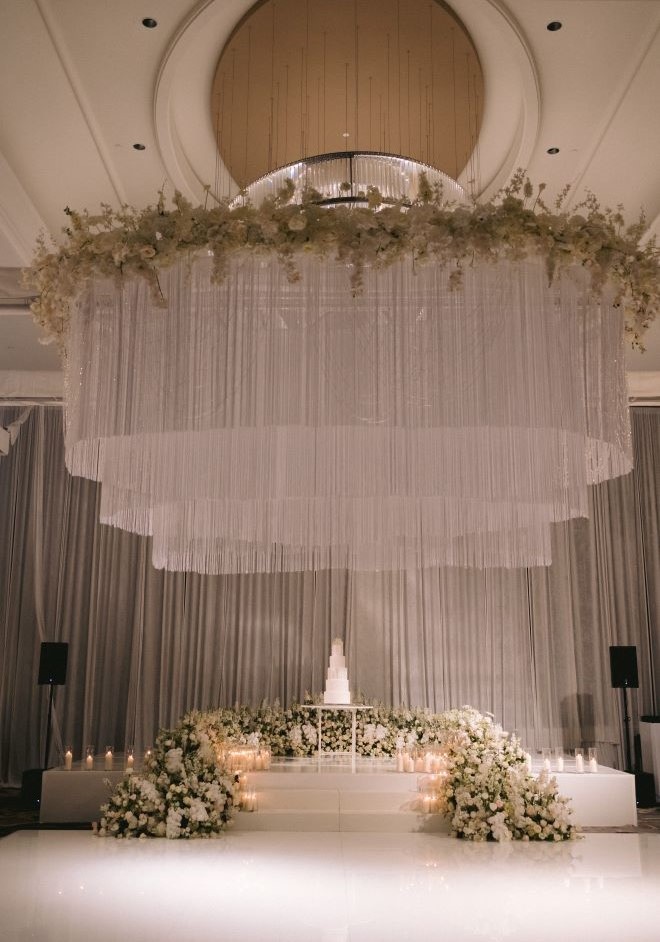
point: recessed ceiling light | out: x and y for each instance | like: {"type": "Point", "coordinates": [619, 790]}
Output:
{"type": "Point", "coordinates": [150, 23]}
{"type": "Point", "coordinates": [554, 26]}
{"type": "Point", "coordinates": [552, 150]}
{"type": "Point", "coordinates": [139, 147]}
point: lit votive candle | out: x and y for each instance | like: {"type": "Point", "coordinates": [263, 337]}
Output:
{"type": "Point", "coordinates": [130, 759]}
{"type": "Point", "coordinates": [579, 761]}
{"type": "Point", "coordinates": [108, 758]}
{"type": "Point", "coordinates": [68, 758]}
{"type": "Point", "coordinates": [409, 763]}
{"type": "Point", "coordinates": [559, 761]}
{"type": "Point", "coordinates": [593, 760]}
{"type": "Point", "coordinates": [546, 760]}
{"type": "Point", "coordinates": [399, 761]}
{"type": "Point", "coordinates": [89, 758]}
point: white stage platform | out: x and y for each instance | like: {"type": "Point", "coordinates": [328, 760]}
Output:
{"type": "Point", "coordinates": [325, 795]}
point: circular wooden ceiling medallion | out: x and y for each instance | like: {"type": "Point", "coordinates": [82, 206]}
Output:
{"type": "Point", "coordinates": [299, 78]}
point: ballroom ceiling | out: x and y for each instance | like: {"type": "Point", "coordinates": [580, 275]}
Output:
{"type": "Point", "coordinates": [81, 84]}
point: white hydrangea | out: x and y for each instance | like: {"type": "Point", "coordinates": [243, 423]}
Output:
{"type": "Point", "coordinates": [173, 824]}
{"type": "Point", "coordinates": [174, 760]}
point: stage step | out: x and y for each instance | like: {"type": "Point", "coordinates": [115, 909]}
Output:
{"type": "Point", "coordinates": [388, 822]}
{"type": "Point", "coordinates": [294, 797]}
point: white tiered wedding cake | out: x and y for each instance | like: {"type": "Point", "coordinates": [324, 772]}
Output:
{"type": "Point", "coordinates": [336, 684]}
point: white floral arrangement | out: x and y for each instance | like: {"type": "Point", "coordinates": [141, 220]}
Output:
{"type": "Point", "coordinates": [517, 223]}
{"type": "Point", "coordinates": [181, 793]}
{"type": "Point", "coordinates": [293, 731]}
{"type": "Point", "coordinates": [486, 790]}
{"type": "Point", "coordinates": [489, 793]}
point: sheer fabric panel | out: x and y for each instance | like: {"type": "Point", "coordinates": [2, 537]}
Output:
{"type": "Point", "coordinates": [146, 645]}
{"type": "Point", "coordinates": [265, 425]}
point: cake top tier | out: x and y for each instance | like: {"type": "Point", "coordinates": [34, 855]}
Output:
{"type": "Point", "coordinates": [337, 646]}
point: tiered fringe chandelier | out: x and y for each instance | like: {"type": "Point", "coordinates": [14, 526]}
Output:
{"type": "Point", "coordinates": [357, 375]}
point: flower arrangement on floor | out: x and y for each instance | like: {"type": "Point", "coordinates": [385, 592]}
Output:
{"type": "Point", "coordinates": [182, 792]}
{"type": "Point", "coordinates": [516, 224]}
{"type": "Point", "coordinates": [486, 789]}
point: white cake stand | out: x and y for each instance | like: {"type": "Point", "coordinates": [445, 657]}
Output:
{"type": "Point", "coordinates": [353, 707]}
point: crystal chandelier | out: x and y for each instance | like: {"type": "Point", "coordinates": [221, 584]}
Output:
{"type": "Point", "coordinates": [266, 424]}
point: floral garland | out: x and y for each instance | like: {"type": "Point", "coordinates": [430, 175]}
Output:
{"type": "Point", "coordinates": [486, 791]}
{"type": "Point", "coordinates": [514, 225]}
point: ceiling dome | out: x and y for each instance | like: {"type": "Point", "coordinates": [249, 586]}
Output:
{"type": "Point", "coordinates": [299, 78]}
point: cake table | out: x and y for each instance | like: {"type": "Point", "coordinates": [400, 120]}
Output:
{"type": "Point", "coordinates": [353, 707]}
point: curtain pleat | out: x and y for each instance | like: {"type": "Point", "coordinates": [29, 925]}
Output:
{"type": "Point", "coordinates": [530, 646]}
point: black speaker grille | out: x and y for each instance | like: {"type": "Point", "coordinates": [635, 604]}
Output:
{"type": "Point", "coordinates": [623, 665]}
{"type": "Point", "coordinates": [52, 662]}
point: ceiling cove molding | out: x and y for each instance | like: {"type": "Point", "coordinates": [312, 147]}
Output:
{"type": "Point", "coordinates": [186, 72]}
{"type": "Point", "coordinates": [40, 384]}
{"type": "Point", "coordinates": [59, 45]}
{"type": "Point", "coordinates": [182, 112]}
{"type": "Point", "coordinates": [512, 87]}
{"type": "Point", "coordinates": [20, 223]}
{"type": "Point", "coordinates": [617, 101]}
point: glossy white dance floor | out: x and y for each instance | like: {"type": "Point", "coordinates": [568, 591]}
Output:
{"type": "Point", "coordinates": [258, 887]}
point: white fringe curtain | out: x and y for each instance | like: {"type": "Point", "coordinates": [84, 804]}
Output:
{"type": "Point", "coordinates": [260, 425]}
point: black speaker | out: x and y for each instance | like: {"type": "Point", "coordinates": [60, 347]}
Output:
{"type": "Point", "coordinates": [623, 665]}
{"type": "Point", "coordinates": [31, 788]}
{"type": "Point", "coordinates": [644, 790]}
{"type": "Point", "coordinates": [52, 662]}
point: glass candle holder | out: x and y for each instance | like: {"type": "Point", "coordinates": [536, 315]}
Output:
{"type": "Point", "coordinates": [108, 759]}
{"type": "Point", "coordinates": [68, 757]}
{"type": "Point", "coordinates": [592, 757]}
{"type": "Point", "coordinates": [89, 758]}
{"type": "Point", "coordinates": [545, 758]}
{"type": "Point", "coordinates": [130, 758]}
{"type": "Point", "coordinates": [579, 760]}
{"type": "Point", "coordinates": [559, 759]}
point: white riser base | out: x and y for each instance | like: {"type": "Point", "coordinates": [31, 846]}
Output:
{"type": "Point", "coordinates": [374, 798]}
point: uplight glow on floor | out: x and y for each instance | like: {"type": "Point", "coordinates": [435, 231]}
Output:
{"type": "Point", "coordinates": [334, 887]}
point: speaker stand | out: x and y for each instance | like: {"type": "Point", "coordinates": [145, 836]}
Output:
{"type": "Point", "coordinates": [48, 725]}
{"type": "Point", "coordinates": [626, 731]}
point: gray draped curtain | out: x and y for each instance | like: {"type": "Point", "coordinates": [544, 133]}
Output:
{"type": "Point", "coordinates": [530, 646]}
